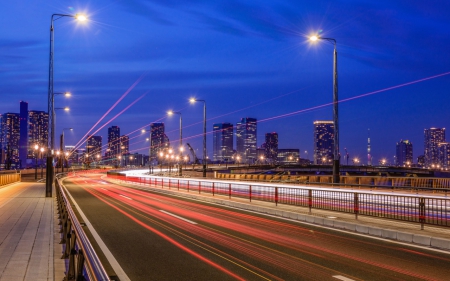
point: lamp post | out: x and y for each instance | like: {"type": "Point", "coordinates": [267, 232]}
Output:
{"type": "Point", "coordinates": [36, 149]}
{"type": "Point", "coordinates": [42, 156]}
{"type": "Point", "coordinates": [192, 100]}
{"type": "Point", "coordinates": [61, 145]}
{"type": "Point", "coordinates": [170, 113]}
{"type": "Point", "coordinates": [336, 159]}
{"type": "Point", "coordinates": [51, 102]}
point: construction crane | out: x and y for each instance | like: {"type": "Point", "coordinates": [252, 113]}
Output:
{"type": "Point", "coordinates": [196, 161]}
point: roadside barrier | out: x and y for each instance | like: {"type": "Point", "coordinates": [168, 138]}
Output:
{"type": "Point", "coordinates": [7, 177]}
{"type": "Point", "coordinates": [83, 264]}
{"type": "Point", "coordinates": [410, 208]}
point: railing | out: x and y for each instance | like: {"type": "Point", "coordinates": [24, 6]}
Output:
{"type": "Point", "coordinates": [417, 209]}
{"type": "Point", "coordinates": [84, 263]}
{"type": "Point", "coordinates": [351, 181]}
{"type": "Point", "coordinates": [7, 177]}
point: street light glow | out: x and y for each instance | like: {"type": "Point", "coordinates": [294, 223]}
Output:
{"type": "Point", "coordinates": [81, 17]}
{"type": "Point", "coordinates": [170, 112]}
{"type": "Point", "coordinates": [66, 108]}
{"type": "Point", "coordinates": [67, 94]}
{"type": "Point", "coordinates": [192, 100]}
{"type": "Point", "coordinates": [314, 38]}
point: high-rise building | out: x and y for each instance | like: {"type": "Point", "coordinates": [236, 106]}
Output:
{"type": "Point", "coordinates": [271, 147]}
{"type": "Point", "coordinates": [23, 141]}
{"type": "Point", "coordinates": [94, 147]}
{"type": "Point", "coordinates": [124, 144]}
{"type": "Point", "coordinates": [113, 142]}
{"type": "Point", "coordinates": [158, 140]}
{"type": "Point", "coordinates": [444, 154]}
{"type": "Point", "coordinates": [433, 137]}
{"type": "Point", "coordinates": [323, 142]}
{"type": "Point", "coordinates": [404, 155]}
{"type": "Point", "coordinates": [222, 142]}
{"type": "Point", "coordinates": [37, 131]}
{"type": "Point", "coordinates": [246, 139]}
{"type": "Point", "coordinates": [9, 139]}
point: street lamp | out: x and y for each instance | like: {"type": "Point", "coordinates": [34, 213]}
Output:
{"type": "Point", "coordinates": [335, 107]}
{"type": "Point", "coordinates": [42, 154]}
{"type": "Point", "coordinates": [170, 113]}
{"type": "Point", "coordinates": [51, 102]}
{"type": "Point", "coordinates": [61, 145]}
{"type": "Point", "coordinates": [36, 148]}
{"type": "Point", "coordinates": [192, 100]}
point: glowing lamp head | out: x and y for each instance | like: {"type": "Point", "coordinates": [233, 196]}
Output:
{"type": "Point", "coordinates": [192, 100]}
{"type": "Point", "coordinates": [67, 153]}
{"type": "Point", "coordinates": [67, 94]}
{"type": "Point", "coordinates": [42, 149]}
{"type": "Point", "coordinates": [314, 38]}
{"type": "Point", "coordinates": [57, 152]}
{"type": "Point", "coordinates": [66, 108]}
{"type": "Point", "coordinates": [36, 147]}
{"type": "Point", "coordinates": [142, 131]}
{"type": "Point", "coordinates": [170, 112]}
{"type": "Point", "coordinates": [81, 17]}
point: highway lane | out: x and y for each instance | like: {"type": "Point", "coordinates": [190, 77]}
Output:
{"type": "Point", "coordinates": [157, 237]}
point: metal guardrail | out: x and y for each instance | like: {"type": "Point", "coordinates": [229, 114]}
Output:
{"type": "Point", "coordinates": [416, 209]}
{"type": "Point", "coordinates": [84, 264]}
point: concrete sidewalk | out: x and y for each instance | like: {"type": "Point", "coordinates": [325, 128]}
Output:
{"type": "Point", "coordinates": [407, 232]}
{"type": "Point", "coordinates": [29, 234]}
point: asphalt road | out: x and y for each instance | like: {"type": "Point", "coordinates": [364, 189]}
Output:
{"type": "Point", "coordinates": [158, 237]}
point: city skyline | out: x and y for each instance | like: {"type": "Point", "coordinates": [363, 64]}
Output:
{"type": "Point", "coordinates": [245, 59]}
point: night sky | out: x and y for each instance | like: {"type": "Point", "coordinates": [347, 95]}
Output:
{"type": "Point", "coordinates": [245, 58]}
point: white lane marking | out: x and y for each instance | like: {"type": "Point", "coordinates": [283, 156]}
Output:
{"type": "Point", "coordinates": [103, 182]}
{"type": "Point", "coordinates": [109, 256]}
{"type": "Point", "coordinates": [343, 278]}
{"type": "Point", "coordinates": [178, 217]}
{"type": "Point", "coordinates": [125, 197]}
{"type": "Point", "coordinates": [103, 188]}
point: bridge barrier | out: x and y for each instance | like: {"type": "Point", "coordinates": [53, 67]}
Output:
{"type": "Point", "coordinates": [7, 177]}
{"type": "Point", "coordinates": [416, 209]}
{"type": "Point", "coordinates": [374, 181]}
{"type": "Point", "coordinates": [83, 262]}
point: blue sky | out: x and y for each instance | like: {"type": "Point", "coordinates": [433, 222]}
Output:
{"type": "Point", "coordinates": [245, 58]}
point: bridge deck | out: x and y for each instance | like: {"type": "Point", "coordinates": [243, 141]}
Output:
{"type": "Point", "coordinates": [29, 238]}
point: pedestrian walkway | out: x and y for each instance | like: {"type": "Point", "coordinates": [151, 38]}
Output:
{"type": "Point", "coordinates": [29, 234]}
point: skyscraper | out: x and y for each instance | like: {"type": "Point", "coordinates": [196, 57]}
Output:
{"type": "Point", "coordinates": [113, 142]}
{"type": "Point", "coordinates": [271, 147]}
{"type": "Point", "coordinates": [444, 154]}
{"type": "Point", "coordinates": [433, 137]}
{"type": "Point", "coordinates": [37, 131]}
{"type": "Point", "coordinates": [9, 138]}
{"type": "Point", "coordinates": [323, 142]}
{"type": "Point", "coordinates": [222, 141]}
{"type": "Point", "coordinates": [23, 141]}
{"type": "Point", "coordinates": [94, 146]}
{"type": "Point", "coordinates": [158, 140]}
{"type": "Point", "coordinates": [404, 153]}
{"type": "Point", "coordinates": [124, 144]}
{"type": "Point", "coordinates": [246, 139]}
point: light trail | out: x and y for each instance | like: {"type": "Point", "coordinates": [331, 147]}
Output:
{"type": "Point", "coordinates": [110, 120]}
{"type": "Point", "coordinates": [112, 107]}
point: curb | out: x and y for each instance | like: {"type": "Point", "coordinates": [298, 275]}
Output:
{"type": "Point", "coordinates": [405, 237]}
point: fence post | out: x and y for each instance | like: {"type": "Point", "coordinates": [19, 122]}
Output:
{"type": "Point", "coordinates": [188, 186]}
{"type": "Point", "coordinates": [169, 183]}
{"type": "Point", "coordinates": [276, 196]}
{"type": "Point", "coordinates": [178, 185]}
{"type": "Point", "coordinates": [250, 192]}
{"type": "Point", "coordinates": [421, 212]}
{"type": "Point", "coordinates": [356, 204]}
{"type": "Point", "coordinates": [199, 187]}
{"type": "Point", "coordinates": [213, 189]}
{"type": "Point", "coordinates": [310, 200]}
{"type": "Point", "coordinates": [229, 191]}
{"type": "Point", "coordinates": [162, 182]}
